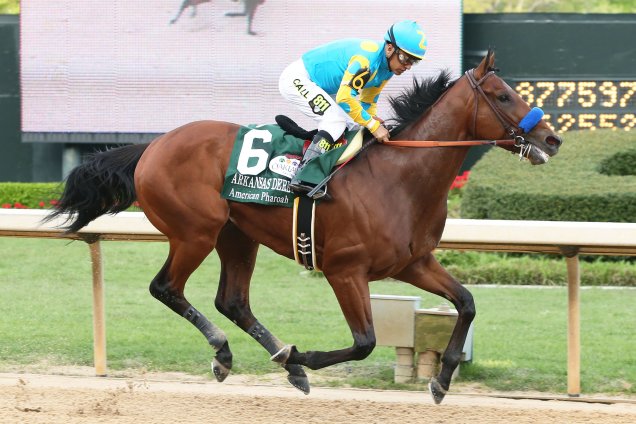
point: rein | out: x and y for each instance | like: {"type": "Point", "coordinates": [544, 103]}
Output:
{"type": "Point", "coordinates": [433, 143]}
{"type": "Point", "coordinates": [515, 131]}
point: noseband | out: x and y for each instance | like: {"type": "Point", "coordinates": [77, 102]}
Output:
{"type": "Point", "coordinates": [510, 127]}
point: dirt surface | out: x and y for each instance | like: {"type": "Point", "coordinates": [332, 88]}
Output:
{"type": "Point", "coordinates": [41, 398]}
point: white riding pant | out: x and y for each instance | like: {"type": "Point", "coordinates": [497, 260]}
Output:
{"type": "Point", "coordinates": [296, 86]}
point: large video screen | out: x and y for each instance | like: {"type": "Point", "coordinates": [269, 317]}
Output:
{"type": "Point", "coordinates": [126, 70]}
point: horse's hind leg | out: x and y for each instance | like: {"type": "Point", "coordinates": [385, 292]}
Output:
{"type": "Point", "coordinates": [351, 288]}
{"type": "Point", "coordinates": [238, 256]}
{"type": "Point", "coordinates": [168, 287]}
{"type": "Point", "coordinates": [429, 275]}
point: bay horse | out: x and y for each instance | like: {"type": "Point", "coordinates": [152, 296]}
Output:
{"type": "Point", "coordinates": [385, 219]}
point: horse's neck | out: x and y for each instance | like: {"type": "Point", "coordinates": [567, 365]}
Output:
{"type": "Point", "coordinates": [447, 120]}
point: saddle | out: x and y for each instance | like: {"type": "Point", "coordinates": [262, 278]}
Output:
{"type": "Point", "coordinates": [259, 171]}
{"type": "Point", "coordinates": [353, 146]}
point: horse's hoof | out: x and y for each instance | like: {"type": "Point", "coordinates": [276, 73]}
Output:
{"type": "Point", "coordinates": [283, 355]}
{"type": "Point", "coordinates": [298, 378]}
{"type": "Point", "coordinates": [437, 391]}
{"type": "Point", "coordinates": [219, 370]}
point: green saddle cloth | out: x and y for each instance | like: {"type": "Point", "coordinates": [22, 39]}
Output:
{"type": "Point", "coordinates": [264, 159]}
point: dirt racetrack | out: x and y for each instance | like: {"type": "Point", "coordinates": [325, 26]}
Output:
{"type": "Point", "coordinates": [37, 398]}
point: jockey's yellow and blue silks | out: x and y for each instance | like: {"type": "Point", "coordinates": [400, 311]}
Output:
{"type": "Point", "coordinates": [349, 68]}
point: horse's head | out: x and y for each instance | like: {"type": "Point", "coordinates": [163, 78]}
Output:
{"type": "Point", "coordinates": [499, 110]}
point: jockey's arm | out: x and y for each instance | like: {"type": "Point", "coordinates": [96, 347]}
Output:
{"type": "Point", "coordinates": [369, 99]}
{"type": "Point", "coordinates": [353, 82]}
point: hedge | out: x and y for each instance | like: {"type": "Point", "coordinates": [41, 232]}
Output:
{"type": "Point", "coordinates": [592, 178]}
{"type": "Point", "coordinates": [535, 270]}
{"type": "Point", "coordinates": [29, 195]}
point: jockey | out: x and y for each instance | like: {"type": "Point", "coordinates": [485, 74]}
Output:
{"type": "Point", "coordinates": [338, 85]}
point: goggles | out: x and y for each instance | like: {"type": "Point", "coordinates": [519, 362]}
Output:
{"type": "Point", "coordinates": [406, 60]}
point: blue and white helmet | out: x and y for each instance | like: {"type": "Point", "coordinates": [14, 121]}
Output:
{"type": "Point", "coordinates": [409, 37]}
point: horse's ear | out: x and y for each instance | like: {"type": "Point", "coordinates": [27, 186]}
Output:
{"type": "Point", "coordinates": [487, 64]}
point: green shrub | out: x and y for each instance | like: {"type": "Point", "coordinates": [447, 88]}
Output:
{"type": "Point", "coordinates": [28, 195]}
{"type": "Point", "coordinates": [591, 179]}
{"type": "Point", "coordinates": [621, 163]}
{"type": "Point", "coordinates": [11, 7]}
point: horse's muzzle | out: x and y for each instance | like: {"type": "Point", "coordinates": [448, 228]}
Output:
{"type": "Point", "coordinates": [554, 141]}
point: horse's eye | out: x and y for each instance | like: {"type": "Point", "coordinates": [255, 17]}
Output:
{"type": "Point", "coordinates": [503, 98]}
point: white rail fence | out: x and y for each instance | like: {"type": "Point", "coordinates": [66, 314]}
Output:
{"type": "Point", "coordinates": [568, 239]}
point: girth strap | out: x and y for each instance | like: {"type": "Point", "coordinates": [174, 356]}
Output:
{"type": "Point", "coordinates": [303, 232]}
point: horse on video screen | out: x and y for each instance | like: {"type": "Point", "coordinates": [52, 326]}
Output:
{"type": "Point", "coordinates": [249, 10]}
{"type": "Point", "coordinates": [385, 218]}
{"type": "Point", "coordinates": [184, 5]}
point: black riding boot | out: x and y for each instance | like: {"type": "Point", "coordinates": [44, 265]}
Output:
{"type": "Point", "coordinates": [319, 145]}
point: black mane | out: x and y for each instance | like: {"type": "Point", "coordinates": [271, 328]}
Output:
{"type": "Point", "coordinates": [411, 104]}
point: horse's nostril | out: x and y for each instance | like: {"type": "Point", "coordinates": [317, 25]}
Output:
{"type": "Point", "coordinates": [553, 141]}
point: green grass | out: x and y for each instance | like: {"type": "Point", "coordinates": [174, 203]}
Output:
{"type": "Point", "coordinates": [525, 344]}
{"type": "Point", "coordinates": [520, 333]}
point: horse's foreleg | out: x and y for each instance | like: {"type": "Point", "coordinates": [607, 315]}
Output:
{"type": "Point", "coordinates": [429, 275]}
{"type": "Point", "coordinates": [168, 287]}
{"type": "Point", "coordinates": [352, 293]}
{"type": "Point", "coordinates": [238, 257]}
{"type": "Point", "coordinates": [184, 4]}
{"type": "Point", "coordinates": [250, 10]}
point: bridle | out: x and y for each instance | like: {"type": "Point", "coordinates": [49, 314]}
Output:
{"type": "Point", "coordinates": [512, 129]}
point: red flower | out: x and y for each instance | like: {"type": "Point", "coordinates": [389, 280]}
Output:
{"type": "Point", "coordinates": [19, 205]}
{"type": "Point", "coordinates": [6, 206]}
{"type": "Point", "coordinates": [42, 204]}
{"type": "Point", "coordinates": [460, 180]}
{"type": "Point", "coordinates": [53, 202]}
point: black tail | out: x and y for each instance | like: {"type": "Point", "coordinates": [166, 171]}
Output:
{"type": "Point", "coordinates": [103, 184]}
